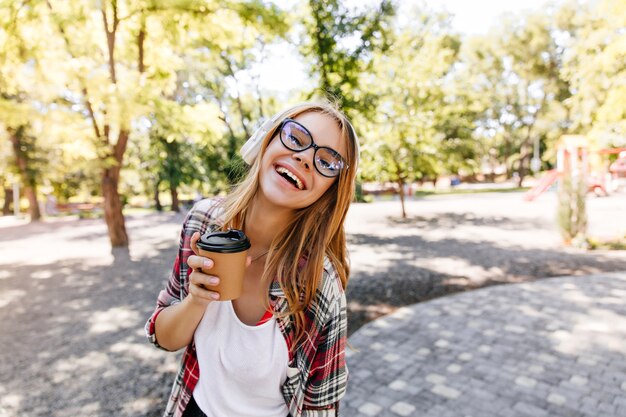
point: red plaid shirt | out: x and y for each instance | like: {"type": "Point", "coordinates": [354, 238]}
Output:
{"type": "Point", "coordinates": [320, 373]}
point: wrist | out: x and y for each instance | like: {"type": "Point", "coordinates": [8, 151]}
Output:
{"type": "Point", "coordinates": [196, 303]}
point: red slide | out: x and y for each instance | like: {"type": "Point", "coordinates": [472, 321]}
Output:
{"type": "Point", "coordinates": [544, 183]}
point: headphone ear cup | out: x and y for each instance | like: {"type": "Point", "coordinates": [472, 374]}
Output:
{"type": "Point", "coordinates": [252, 147]}
{"type": "Point", "coordinates": [356, 142]}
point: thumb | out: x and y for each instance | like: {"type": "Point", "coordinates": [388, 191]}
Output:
{"type": "Point", "coordinates": [194, 238]}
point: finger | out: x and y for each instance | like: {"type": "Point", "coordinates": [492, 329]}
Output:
{"type": "Point", "coordinates": [194, 238]}
{"type": "Point", "coordinates": [203, 280]}
{"type": "Point", "coordinates": [203, 293]}
{"type": "Point", "coordinates": [248, 261]}
{"type": "Point", "coordinates": [199, 262]}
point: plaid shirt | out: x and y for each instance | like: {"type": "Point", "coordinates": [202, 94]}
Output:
{"type": "Point", "coordinates": [320, 374]}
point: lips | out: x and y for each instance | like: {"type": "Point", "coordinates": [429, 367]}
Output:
{"type": "Point", "coordinates": [290, 176]}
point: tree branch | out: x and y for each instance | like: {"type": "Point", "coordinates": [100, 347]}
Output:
{"type": "Point", "coordinates": [92, 117]}
{"type": "Point", "coordinates": [231, 72]}
{"type": "Point", "coordinates": [84, 90]}
{"type": "Point", "coordinates": [110, 34]}
{"type": "Point", "coordinates": [141, 38]}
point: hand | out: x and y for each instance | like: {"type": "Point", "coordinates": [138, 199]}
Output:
{"type": "Point", "coordinates": [200, 282]}
{"type": "Point", "coordinates": [194, 247]}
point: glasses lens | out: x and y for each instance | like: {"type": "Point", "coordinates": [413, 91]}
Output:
{"type": "Point", "coordinates": [328, 162]}
{"type": "Point", "coordinates": [294, 137]}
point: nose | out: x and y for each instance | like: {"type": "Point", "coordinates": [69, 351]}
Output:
{"type": "Point", "coordinates": [305, 157]}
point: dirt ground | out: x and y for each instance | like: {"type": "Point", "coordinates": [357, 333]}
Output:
{"type": "Point", "coordinates": [461, 242]}
{"type": "Point", "coordinates": [72, 311]}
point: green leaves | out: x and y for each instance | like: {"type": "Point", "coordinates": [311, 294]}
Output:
{"type": "Point", "coordinates": [340, 45]}
{"type": "Point", "coordinates": [177, 81]}
{"type": "Point", "coordinates": [595, 69]}
{"type": "Point", "coordinates": [415, 113]}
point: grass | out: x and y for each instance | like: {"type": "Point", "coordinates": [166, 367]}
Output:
{"type": "Point", "coordinates": [617, 244]}
{"type": "Point", "coordinates": [389, 196]}
{"type": "Point", "coordinates": [425, 193]}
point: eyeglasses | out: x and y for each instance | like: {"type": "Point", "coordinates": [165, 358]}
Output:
{"type": "Point", "coordinates": [295, 137]}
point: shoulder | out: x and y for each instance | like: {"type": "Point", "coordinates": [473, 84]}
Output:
{"type": "Point", "coordinates": [203, 213]}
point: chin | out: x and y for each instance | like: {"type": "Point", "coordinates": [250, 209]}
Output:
{"type": "Point", "coordinates": [285, 199]}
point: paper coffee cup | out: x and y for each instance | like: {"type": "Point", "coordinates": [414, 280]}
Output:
{"type": "Point", "coordinates": [228, 250]}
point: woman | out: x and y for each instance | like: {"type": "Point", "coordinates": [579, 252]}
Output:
{"type": "Point", "coordinates": [277, 350]}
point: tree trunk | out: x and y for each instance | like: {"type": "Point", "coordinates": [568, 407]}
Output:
{"type": "Point", "coordinates": [174, 194]}
{"type": "Point", "coordinates": [112, 203]}
{"type": "Point", "coordinates": [520, 178]}
{"type": "Point", "coordinates": [33, 205]}
{"type": "Point", "coordinates": [401, 194]}
{"type": "Point", "coordinates": [113, 208]}
{"type": "Point", "coordinates": [157, 201]}
{"type": "Point", "coordinates": [524, 163]}
{"type": "Point", "coordinates": [25, 171]}
{"type": "Point", "coordinates": [8, 199]}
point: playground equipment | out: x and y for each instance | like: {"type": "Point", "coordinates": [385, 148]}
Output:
{"type": "Point", "coordinates": [575, 158]}
{"type": "Point", "coordinates": [542, 186]}
{"type": "Point", "coordinates": [618, 171]}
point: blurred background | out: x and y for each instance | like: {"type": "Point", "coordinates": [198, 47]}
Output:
{"type": "Point", "coordinates": [112, 106]}
{"type": "Point", "coordinates": [493, 139]}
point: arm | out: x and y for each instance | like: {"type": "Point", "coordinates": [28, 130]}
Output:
{"type": "Point", "coordinates": [181, 305]}
{"type": "Point", "coordinates": [176, 324]}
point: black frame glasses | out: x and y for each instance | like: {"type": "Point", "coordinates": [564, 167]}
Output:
{"type": "Point", "coordinates": [327, 161]}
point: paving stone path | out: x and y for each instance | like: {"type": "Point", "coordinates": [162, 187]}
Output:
{"type": "Point", "coordinates": [546, 348]}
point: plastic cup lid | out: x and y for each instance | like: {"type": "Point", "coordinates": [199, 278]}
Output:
{"type": "Point", "coordinates": [229, 241]}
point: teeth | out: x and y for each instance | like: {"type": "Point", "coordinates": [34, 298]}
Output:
{"type": "Point", "coordinates": [291, 175]}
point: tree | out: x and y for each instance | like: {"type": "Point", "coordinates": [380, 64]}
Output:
{"type": "Point", "coordinates": [517, 71]}
{"type": "Point", "coordinates": [232, 87]}
{"type": "Point", "coordinates": [102, 82]}
{"type": "Point", "coordinates": [594, 66]}
{"type": "Point", "coordinates": [22, 84]}
{"type": "Point", "coordinates": [172, 152]}
{"type": "Point", "coordinates": [340, 44]}
{"type": "Point", "coordinates": [118, 59]}
{"type": "Point", "coordinates": [209, 114]}
{"type": "Point", "coordinates": [410, 127]}
{"type": "Point", "coordinates": [24, 150]}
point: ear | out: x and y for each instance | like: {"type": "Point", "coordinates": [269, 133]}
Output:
{"type": "Point", "coordinates": [251, 148]}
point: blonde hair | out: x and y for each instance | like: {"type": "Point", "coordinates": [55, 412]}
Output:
{"type": "Point", "coordinates": [314, 232]}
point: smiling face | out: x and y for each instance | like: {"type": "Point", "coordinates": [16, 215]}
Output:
{"type": "Point", "coordinates": [289, 179]}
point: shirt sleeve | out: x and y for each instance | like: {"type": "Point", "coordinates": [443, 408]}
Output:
{"type": "Point", "coordinates": [328, 376]}
{"type": "Point", "coordinates": [176, 288]}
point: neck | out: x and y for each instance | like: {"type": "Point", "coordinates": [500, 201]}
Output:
{"type": "Point", "coordinates": [264, 221]}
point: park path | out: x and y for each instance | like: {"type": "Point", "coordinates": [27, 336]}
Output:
{"type": "Point", "coordinates": [72, 311]}
{"type": "Point", "coordinates": [454, 243]}
{"type": "Point", "coordinates": [545, 348]}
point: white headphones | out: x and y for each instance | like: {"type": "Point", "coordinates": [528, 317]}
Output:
{"type": "Point", "coordinates": [252, 147]}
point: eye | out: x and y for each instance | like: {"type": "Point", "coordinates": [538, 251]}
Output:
{"type": "Point", "coordinates": [294, 140]}
{"type": "Point", "coordinates": [329, 164]}
{"type": "Point", "coordinates": [326, 164]}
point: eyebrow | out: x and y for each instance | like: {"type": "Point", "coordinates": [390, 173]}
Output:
{"type": "Point", "coordinates": [299, 123]}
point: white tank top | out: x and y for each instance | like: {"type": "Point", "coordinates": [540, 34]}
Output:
{"type": "Point", "coordinates": [242, 368]}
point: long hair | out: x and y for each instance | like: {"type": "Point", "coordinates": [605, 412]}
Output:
{"type": "Point", "coordinates": [313, 232]}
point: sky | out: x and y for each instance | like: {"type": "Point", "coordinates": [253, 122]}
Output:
{"type": "Point", "coordinates": [477, 16]}
{"type": "Point", "coordinates": [283, 71]}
